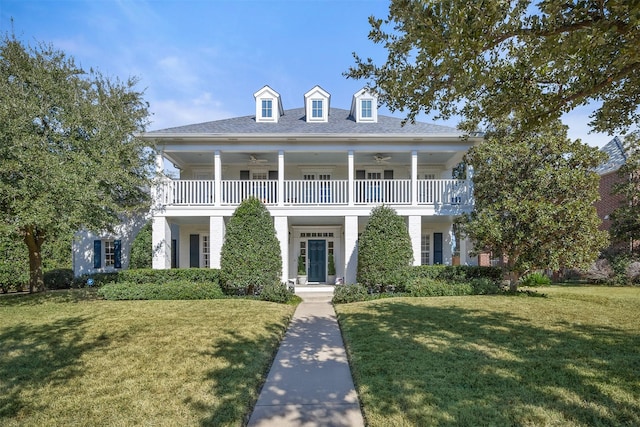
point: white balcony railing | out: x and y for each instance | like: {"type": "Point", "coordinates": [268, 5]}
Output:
{"type": "Point", "coordinates": [444, 191]}
{"type": "Point", "coordinates": [299, 192]}
{"type": "Point", "coordinates": [234, 192]}
{"type": "Point", "coordinates": [387, 191]}
{"type": "Point", "coordinates": [302, 192]}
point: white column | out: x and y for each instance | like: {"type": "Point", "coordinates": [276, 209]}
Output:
{"type": "Point", "coordinates": [159, 163]}
{"type": "Point", "coordinates": [217, 177]}
{"type": "Point", "coordinates": [281, 178]}
{"type": "Point", "coordinates": [351, 172]}
{"type": "Point", "coordinates": [281, 225]}
{"type": "Point", "coordinates": [216, 239]}
{"type": "Point", "coordinates": [415, 233]}
{"type": "Point", "coordinates": [350, 249]}
{"type": "Point", "coordinates": [161, 241]}
{"type": "Point", "coordinates": [414, 178]}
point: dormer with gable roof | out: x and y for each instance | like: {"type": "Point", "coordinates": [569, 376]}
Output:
{"type": "Point", "coordinates": [364, 107]}
{"type": "Point", "coordinates": [268, 105]}
{"type": "Point", "coordinates": [316, 105]}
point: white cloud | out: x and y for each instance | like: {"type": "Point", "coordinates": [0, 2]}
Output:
{"type": "Point", "coordinates": [171, 112]}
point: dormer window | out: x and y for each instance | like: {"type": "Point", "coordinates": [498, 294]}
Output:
{"type": "Point", "coordinates": [268, 105]}
{"type": "Point", "coordinates": [316, 109]}
{"type": "Point", "coordinates": [267, 108]}
{"type": "Point", "coordinates": [364, 107]}
{"type": "Point", "coordinates": [316, 105]}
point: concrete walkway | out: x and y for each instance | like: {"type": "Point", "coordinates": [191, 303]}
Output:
{"type": "Point", "coordinates": [309, 383]}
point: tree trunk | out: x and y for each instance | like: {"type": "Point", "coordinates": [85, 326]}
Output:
{"type": "Point", "coordinates": [514, 277]}
{"type": "Point", "coordinates": [34, 239]}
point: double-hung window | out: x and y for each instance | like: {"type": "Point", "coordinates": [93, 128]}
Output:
{"type": "Point", "coordinates": [366, 111]}
{"type": "Point", "coordinates": [316, 108]}
{"type": "Point", "coordinates": [267, 108]}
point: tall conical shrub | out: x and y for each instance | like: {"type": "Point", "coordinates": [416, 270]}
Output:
{"type": "Point", "coordinates": [251, 257]}
{"type": "Point", "coordinates": [385, 254]}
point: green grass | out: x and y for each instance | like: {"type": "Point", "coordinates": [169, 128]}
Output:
{"type": "Point", "coordinates": [67, 358]}
{"type": "Point", "coordinates": [571, 359]}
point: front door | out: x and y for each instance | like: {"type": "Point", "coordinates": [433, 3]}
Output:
{"type": "Point", "coordinates": [194, 250]}
{"type": "Point", "coordinates": [317, 262]}
{"type": "Point", "coordinates": [437, 248]}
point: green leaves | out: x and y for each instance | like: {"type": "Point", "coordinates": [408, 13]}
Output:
{"type": "Point", "coordinates": [490, 60]}
{"type": "Point", "coordinates": [384, 250]}
{"type": "Point", "coordinates": [534, 198]}
{"type": "Point", "coordinates": [69, 158]}
{"type": "Point", "coordinates": [251, 256]}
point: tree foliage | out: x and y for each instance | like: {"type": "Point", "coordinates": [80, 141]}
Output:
{"type": "Point", "coordinates": [487, 60]}
{"type": "Point", "coordinates": [251, 257]}
{"type": "Point", "coordinates": [142, 248]}
{"type": "Point", "coordinates": [625, 220]}
{"type": "Point", "coordinates": [385, 254]}
{"type": "Point", "coordinates": [534, 200]}
{"type": "Point", "coordinates": [68, 155]}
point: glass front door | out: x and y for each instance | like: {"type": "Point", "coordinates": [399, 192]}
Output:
{"type": "Point", "coordinates": [317, 260]}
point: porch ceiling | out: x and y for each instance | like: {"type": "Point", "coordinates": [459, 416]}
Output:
{"type": "Point", "coordinates": [309, 158]}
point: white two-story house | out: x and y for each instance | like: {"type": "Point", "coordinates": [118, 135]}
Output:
{"type": "Point", "coordinates": [319, 171]}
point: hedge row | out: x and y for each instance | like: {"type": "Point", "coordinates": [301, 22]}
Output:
{"type": "Point", "coordinates": [176, 290]}
{"type": "Point", "coordinates": [456, 273]}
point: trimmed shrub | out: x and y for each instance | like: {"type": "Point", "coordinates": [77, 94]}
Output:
{"type": "Point", "coordinates": [349, 293]}
{"type": "Point", "coordinates": [276, 292]}
{"type": "Point", "coordinates": [250, 257]}
{"type": "Point", "coordinates": [60, 278]}
{"type": "Point", "coordinates": [535, 279]}
{"type": "Point", "coordinates": [177, 290]}
{"type": "Point", "coordinates": [456, 272]}
{"type": "Point", "coordinates": [142, 248]}
{"type": "Point", "coordinates": [485, 286]}
{"type": "Point", "coordinates": [148, 275]}
{"type": "Point", "coordinates": [97, 279]}
{"type": "Point", "coordinates": [384, 251]}
{"type": "Point", "coordinates": [438, 288]}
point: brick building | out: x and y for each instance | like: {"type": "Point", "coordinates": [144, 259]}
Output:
{"type": "Point", "coordinates": [608, 172]}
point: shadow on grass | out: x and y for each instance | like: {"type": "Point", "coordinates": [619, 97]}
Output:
{"type": "Point", "coordinates": [32, 356]}
{"type": "Point", "coordinates": [55, 296]}
{"type": "Point", "coordinates": [453, 366]}
{"type": "Point", "coordinates": [237, 385]}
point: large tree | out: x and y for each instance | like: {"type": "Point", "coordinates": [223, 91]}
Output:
{"type": "Point", "coordinates": [625, 220]}
{"type": "Point", "coordinates": [68, 155]}
{"type": "Point", "coordinates": [486, 60]}
{"type": "Point", "coordinates": [534, 195]}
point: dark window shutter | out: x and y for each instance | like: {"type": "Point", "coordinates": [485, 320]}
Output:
{"type": "Point", "coordinates": [244, 175]}
{"type": "Point", "coordinates": [117, 261]}
{"type": "Point", "coordinates": [360, 174]}
{"type": "Point", "coordinates": [388, 174]}
{"type": "Point", "coordinates": [97, 253]}
{"type": "Point", "coordinates": [273, 175]}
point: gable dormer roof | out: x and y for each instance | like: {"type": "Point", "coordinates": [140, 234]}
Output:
{"type": "Point", "coordinates": [316, 105]}
{"type": "Point", "coordinates": [268, 105]}
{"type": "Point", "coordinates": [364, 106]}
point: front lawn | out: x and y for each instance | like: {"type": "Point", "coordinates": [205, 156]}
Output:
{"type": "Point", "coordinates": [571, 359]}
{"type": "Point", "coordinates": [66, 359]}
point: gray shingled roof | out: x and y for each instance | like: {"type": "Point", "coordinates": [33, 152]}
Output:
{"type": "Point", "coordinates": [616, 154]}
{"type": "Point", "coordinates": [293, 122]}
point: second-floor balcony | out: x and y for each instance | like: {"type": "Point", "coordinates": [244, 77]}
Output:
{"type": "Point", "coordinates": [316, 192]}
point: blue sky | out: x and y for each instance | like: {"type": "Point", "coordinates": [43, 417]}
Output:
{"type": "Point", "coordinates": [200, 60]}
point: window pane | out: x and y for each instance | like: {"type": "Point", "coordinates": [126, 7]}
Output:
{"type": "Point", "coordinates": [316, 109]}
{"type": "Point", "coordinates": [267, 108]}
{"type": "Point", "coordinates": [109, 253]}
{"type": "Point", "coordinates": [366, 108]}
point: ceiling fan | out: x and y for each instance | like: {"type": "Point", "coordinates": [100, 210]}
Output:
{"type": "Point", "coordinates": [255, 160]}
{"type": "Point", "coordinates": [380, 159]}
